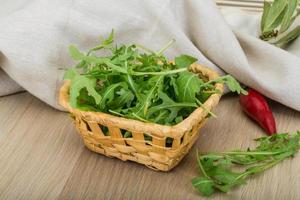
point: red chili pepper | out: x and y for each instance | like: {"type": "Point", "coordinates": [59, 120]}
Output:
{"type": "Point", "coordinates": [256, 106]}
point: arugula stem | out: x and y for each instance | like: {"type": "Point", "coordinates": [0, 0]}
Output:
{"type": "Point", "coordinates": [140, 118]}
{"type": "Point", "coordinates": [116, 113]}
{"type": "Point", "coordinates": [160, 116]}
{"type": "Point", "coordinates": [201, 166]}
{"type": "Point", "coordinates": [251, 153]}
{"type": "Point", "coordinates": [214, 81]}
{"type": "Point", "coordinates": [130, 80]}
{"type": "Point", "coordinates": [158, 53]}
{"type": "Point", "coordinates": [116, 67]}
{"type": "Point", "coordinates": [131, 83]}
{"type": "Point", "coordinates": [212, 91]}
{"type": "Point", "coordinates": [175, 71]}
{"type": "Point", "coordinates": [261, 168]}
{"type": "Point", "coordinates": [151, 94]}
{"type": "Point", "coordinates": [165, 47]}
{"type": "Point", "coordinates": [94, 49]}
{"type": "Point", "coordinates": [204, 108]}
{"type": "Point", "coordinates": [174, 105]}
{"type": "Point", "coordinates": [204, 182]}
{"type": "Point", "coordinates": [123, 71]}
{"type": "Point", "coordinates": [221, 154]}
{"type": "Point", "coordinates": [234, 160]}
{"type": "Point", "coordinates": [145, 48]}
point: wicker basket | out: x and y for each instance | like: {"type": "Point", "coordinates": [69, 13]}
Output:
{"type": "Point", "coordinates": [153, 152]}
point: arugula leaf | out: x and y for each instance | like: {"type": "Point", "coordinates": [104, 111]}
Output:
{"type": "Point", "coordinates": [80, 82]}
{"type": "Point", "coordinates": [75, 53]}
{"type": "Point", "coordinates": [110, 38]}
{"type": "Point", "coordinates": [127, 134]}
{"type": "Point", "coordinates": [171, 106]}
{"type": "Point", "coordinates": [86, 102]}
{"type": "Point", "coordinates": [174, 85]}
{"type": "Point", "coordinates": [204, 185]}
{"type": "Point", "coordinates": [232, 84]}
{"type": "Point", "coordinates": [189, 85]}
{"type": "Point", "coordinates": [70, 74]}
{"type": "Point", "coordinates": [222, 171]}
{"type": "Point", "coordinates": [109, 94]}
{"type": "Point", "coordinates": [124, 97]}
{"type": "Point", "coordinates": [184, 61]}
{"type": "Point", "coordinates": [143, 106]}
{"type": "Point", "coordinates": [105, 43]}
{"type": "Point", "coordinates": [115, 67]}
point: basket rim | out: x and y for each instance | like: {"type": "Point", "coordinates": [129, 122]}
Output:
{"type": "Point", "coordinates": [159, 130]}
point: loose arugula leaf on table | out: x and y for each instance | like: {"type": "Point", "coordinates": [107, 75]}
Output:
{"type": "Point", "coordinates": [139, 85]}
{"type": "Point", "coordinates": [204, 185]}
{"type": "Point", "coordinates": [224, 170]}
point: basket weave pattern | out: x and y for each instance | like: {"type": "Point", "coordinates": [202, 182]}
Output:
{"type": "Point", "coordinates": [153, 152]}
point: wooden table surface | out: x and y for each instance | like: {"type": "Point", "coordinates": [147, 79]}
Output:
{"type": "Point", "coordinates": [42, 157]}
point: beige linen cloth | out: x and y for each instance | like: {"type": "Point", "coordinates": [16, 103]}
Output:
{"type": "Point", "coordinates": [35, 35]}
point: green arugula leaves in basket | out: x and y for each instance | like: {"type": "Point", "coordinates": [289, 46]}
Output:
{"type": "Point", "coordinates": [224, 170]}
{"type": "Point", "coordinates": [135, 82]}
{"type": "Point", "coordinates": [277, 20]}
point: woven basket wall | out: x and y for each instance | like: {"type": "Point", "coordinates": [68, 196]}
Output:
{"type": "Point", "coordinates": [148, 144]}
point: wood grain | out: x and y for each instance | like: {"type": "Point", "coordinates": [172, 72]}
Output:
{"type": "Point", "coordinates": [42, 157]}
